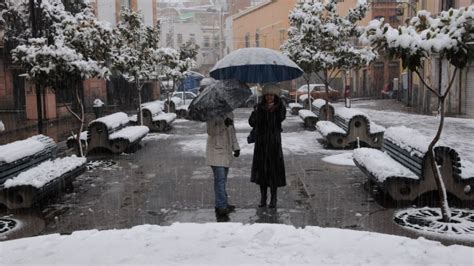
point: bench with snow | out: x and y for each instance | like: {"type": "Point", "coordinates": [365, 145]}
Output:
{"type": "Point", "coordinates": [172, 104]}
{"type": "Point", "coordinates": [304, 100]}
{"type": "Point", "coordinates": [295, 108]}
{"type": "Point", "coordinates": [114, 133]}
{"type": "Point", "coordinates": [30, 171]}
{"type": "Point", "coordinates": [154, 117]}
{"type": "Point", "coordinates": [309, 118]}
{"type": "Point", "coordinates": [350, 129]}
{"type": "Point", "coordinates": [182, 111]}
{"type": "Point", "coordinates": [402, 168]}
{"type": "Point", "coordinates": [321, 110]}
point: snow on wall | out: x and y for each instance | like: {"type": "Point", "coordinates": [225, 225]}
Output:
{"type": "Point", "coordinates": [22, 148]}
{"type": "Point", "coordinates": [327, 127]}
{"type": "Point", "coordinates": [113, 120]}
{"type": "Point", "coordinates": [380, 164]}
{"type": "Point", "coordinates": [45, 172]}
{"type": "Point", "coordinates": [132, 133]}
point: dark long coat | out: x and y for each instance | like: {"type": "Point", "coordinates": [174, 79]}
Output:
{"type": "Point", "coordinates": [268, 166]}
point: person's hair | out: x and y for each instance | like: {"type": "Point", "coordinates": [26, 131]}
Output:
{"type": "Point", "coordinates": [276, 100]}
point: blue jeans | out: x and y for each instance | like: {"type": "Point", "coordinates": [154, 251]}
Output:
{"type": "Point", "coordinates": [220, 179]}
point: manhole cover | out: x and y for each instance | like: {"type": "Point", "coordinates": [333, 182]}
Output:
{"type": "Point", "coordinates": [429, 220]}
{"type": "Point", "coordinates": [7, 225]}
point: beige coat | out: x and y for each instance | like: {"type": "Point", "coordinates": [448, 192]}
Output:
{"type": "Point", "coordinates": [221, 142]}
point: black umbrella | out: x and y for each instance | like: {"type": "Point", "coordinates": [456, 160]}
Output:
{"type": "Point", "coordinates": [256, 65]}
{"type": "Point", "coordinates": [218, 99]}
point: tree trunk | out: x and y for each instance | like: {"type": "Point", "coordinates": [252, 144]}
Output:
{"type": "Point", "coordinates": [139, 89]}
{"type": "Point", "coordinates": [78, 136]}
{"type": "Point", "coordinates": [445, 210]}
{"type": "Point", "coordinates": [326, 87]}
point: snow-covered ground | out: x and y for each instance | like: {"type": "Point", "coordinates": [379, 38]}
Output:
{"type": "Point", "coordinates": [230, 244]}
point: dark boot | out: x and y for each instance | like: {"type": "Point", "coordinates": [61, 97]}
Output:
{"type": "Point", "coordinates": [273, 198]}
{"type": "Point", "coordinates": [263, 196]}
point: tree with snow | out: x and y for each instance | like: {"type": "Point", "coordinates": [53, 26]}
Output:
{"type": "Point", "coordinates": [73, 47]}
{"type": "Point", "coordinates": [321, 41]}
{"type": "Point", "coordinates": [449, 36]}
{"type": "Point", "coordinates": [135, 51]}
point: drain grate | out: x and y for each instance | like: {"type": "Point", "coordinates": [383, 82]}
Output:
{"type": "Point", "coordinates": [429, 220]}
{"type": "Point", "coordinates": [106, 165]}
{"type": "Point", "coordinates": [7, 225]}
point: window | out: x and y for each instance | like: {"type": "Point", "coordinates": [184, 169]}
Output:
{"type": "Point", "coordinates": [257, 39]}
{"type": "Point", "coordinates": [247, 41]}
{"type": "Point", "coordinates": [206, 42]}
{"type": "Point", "coordinates": [192, 38]}
{"type": "Point", "coordinates": [216, 41]}
{"type": "Point", "coordinates": [169, 40]}
{"type": "Point", "coordinates": [179, 38]}
{"type": "Point", "coordinates": [126, 4]}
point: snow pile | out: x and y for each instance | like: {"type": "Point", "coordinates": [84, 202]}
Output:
{"type": "Point", "coordinates": [408, 139]}
{"type": "Point", "coordinates": [230, 243]}
{"type": "Point", "coordinates": [340, 159]}
{"type": "Point", "coordinates": [306, 113]}
{"type": "Point", "coordinates": [45, 172]}
{"type": "Point", "coordinates": [168, 117]}
{"type": "Point", "coordinates": [2, 126]}
{"type": "Point", "coordinates": [328, 127]}
{"type": "Point", "coordinates": [380, 164]}
{"type": "Point", "coordinates": [22, 148]}
{"type": "Point", "coordinates": [132, 133]}
{"type": "Point", "coordinates": [114, 120]}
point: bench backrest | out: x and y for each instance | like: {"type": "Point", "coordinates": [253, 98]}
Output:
{"type": "Point", "coordinates": [100, 129]}
{"type": "Point", "coordinates": [320, 110]}
{"type": "Point", "coordinates": [21, 155]}
{"type": "Point", "coordinates": [408, 159]}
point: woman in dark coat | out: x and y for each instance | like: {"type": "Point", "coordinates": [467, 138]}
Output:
{"type": "Point", "coordinates": [268, 166]}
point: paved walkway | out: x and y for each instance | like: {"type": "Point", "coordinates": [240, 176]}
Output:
{"type": "Point", "coordinates": [167, 181]}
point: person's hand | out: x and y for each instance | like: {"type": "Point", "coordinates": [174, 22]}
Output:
{"type": "Point", "coordinates": [228, 122]}
{"type": "Point", "coordinates": [236, 153]}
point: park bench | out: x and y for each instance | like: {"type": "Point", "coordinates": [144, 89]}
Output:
{"type": "Point", "coordinates": [30, 171]}
{"type": "Point", "coordinates": [154, 117]}
{"type": "Point", "coordinates": [320, 110]}
{"type": "Point", "coordinates": [182, 111]}
{"type": "Point", "coordinates": [304, 100]}
{"type": "Point", "coordinates": [309, 118]}
{"type": "Point", "coordinates": [295, 108]}
{"type": "Point", "coordinates": [351, 128]}
{"type": "Point", "coordinates": [402, 169]}
{"type": "Point", "coordinates": [114, 133]}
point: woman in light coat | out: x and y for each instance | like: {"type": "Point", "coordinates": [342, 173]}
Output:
{"type": "Point", "coordinates": [221, 146]}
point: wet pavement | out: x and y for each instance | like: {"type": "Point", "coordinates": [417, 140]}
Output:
{"type": "Point", "coordinates": [167, 181]}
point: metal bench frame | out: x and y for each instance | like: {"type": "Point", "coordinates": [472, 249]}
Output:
{"type": "Point", "coordinates": [357, 131]}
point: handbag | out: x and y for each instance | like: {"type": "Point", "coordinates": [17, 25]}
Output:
{"type": "Point", "coordinates": [251, 137]}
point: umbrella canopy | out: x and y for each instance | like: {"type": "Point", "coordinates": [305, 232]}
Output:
{"type": "Point", "coordinates": [256, 65]}
{"type": "Point", "coordinates": [217, 99]}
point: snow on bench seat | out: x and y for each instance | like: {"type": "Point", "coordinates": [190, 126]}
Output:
{"type": "Point", "coordinates": [183, 107]}
{"type": "Point", "coordinates": [83, 136]}
{"type": "Point", "coordinates": [467, 169]}
{"type": "Point", "coordinates": [328, 127]}
{"type": "Point", "coordinates": [319, 103]}
{"type": "Point", "coordinates": [348, 113]}
{"type": "Point", "coordinates": [381, 165]}
{"type": "Point", "coordinates": [306, 113]}
{"type": "Point", "coordinates": [295, 105]}
{"type": "Point", "coordinates": [154, 107]}
{"type": "Point", "coordinates": [168, 117]}
{"type": "Point", "coordinates": [132, 133]}
{"type": "Point", "coordinates": [45, 172]}
{"type": "Point", "coordinates": [376, 128]}
{"type": "Point", "coordinates": [23, 148]}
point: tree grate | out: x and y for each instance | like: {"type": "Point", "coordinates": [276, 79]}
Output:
{"type": "Point", "coordinates": [429, 220]}
{"type": "Point", "coordinates": [7, 225]}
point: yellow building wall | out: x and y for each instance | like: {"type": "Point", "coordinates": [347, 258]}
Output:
{"type": "Point", "coordinates": [270, 19]}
